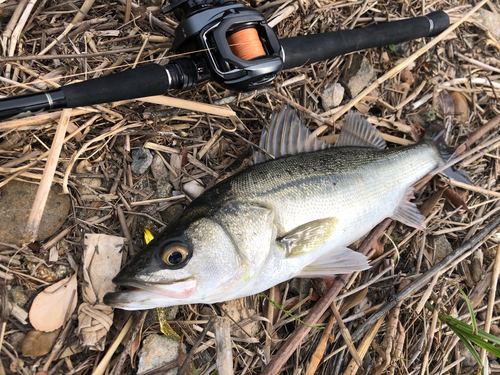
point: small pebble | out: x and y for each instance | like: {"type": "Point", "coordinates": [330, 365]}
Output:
{"type": "Point", "coordinates": [156, 351]}
{"type": "Point", "coordinates": [142, 159]}
{"type": "Point", "coordinates": [193, 188]}
{"type": "Point", "coordinates": [158, 168]}
{"type": "Point", "coordinates": [332, 95]}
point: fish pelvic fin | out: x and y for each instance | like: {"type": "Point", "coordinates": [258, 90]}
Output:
{"type": "Point", "coordinates": [408, 213]}
{"type": "Point", "coordinates": [308, 237]}
{"type": "Point", "coordinates": [434, 134]}
{"type": "Point", "coordinates": [357, 131]}
{"type": "Point", "coordinates": [287, 135]}
{"type": "Point", "coordinates": [339, 261]}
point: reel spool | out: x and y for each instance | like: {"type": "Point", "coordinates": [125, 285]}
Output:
{"type": "Point", "coordinates": [246, 44]}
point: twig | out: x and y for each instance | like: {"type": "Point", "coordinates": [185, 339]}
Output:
{"type": "Point", "coordinates": [347, 337]}
{"type": "Point", "coordinates": [491, 299]}
{"type": "Point", "coordinates": [126, 350]}
{"type": "Point", "coordinates": [192, 352]}
{"type": "Point", "coordinates": [288, 348]}
{"type": "Point", "coordinates": [353, 367]}
{"type": "Point", "coordinates": [48, 174]}
{"type": "Point", "coordinates": [223, 346]}
{"type": "Point", "coordinates": [82, 13]}
{"type": "Point", "coordinates": [101, 368]}
{"type": "Point", "coordinates": [190, 105]}
{"type": "Point", "coordinates": [423, 280]}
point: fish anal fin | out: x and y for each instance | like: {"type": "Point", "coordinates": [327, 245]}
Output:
{"type": "Point", "coordinates": [408, 213]}
{"type": "Point", "coordinates": [308, 237]}
{"type": "Point", "coordinates": [339, 261]}
{"type": "Point", "coordinates": [357, 131]}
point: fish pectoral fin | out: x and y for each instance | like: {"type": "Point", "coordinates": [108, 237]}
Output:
{"type": "Point", "coordinates": [308, 237]}
{"type": "Point", "coordinates": [339, 261]}
{"type": "Point", "coordinates": [357, 131]}
{"type": "Point", "coordinates": [408, 213]}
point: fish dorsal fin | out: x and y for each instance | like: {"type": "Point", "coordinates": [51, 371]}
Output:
{"type": "Point", "coordinates": [287, 135]}
{"type": "Point", "coordinates": [308, 237]}
{"type": "Point", "coordinates": [339, 261]}
{"type": "Point", "coordinates": [357, 131]}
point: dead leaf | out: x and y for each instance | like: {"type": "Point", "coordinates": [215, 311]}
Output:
{"type": "Point", "coordinates": [407, 76]}
{"type": "Point", "coordinates": [36, 343]}
{"type": "Point", "coordinates": [455, 199]}
{"type": "Point", "coordinates": [353, 300]}
{"type": "Point", "coordinates": [52, 307]}
{"type": "Point", "coordinates": [445, 103]}
{"type": "Point", "coordinates": [461, 107]}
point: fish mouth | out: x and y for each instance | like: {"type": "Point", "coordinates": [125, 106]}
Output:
{"type": "Point", "coordinates": [143, 296]}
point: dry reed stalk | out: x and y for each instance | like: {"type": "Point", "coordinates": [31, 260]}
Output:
{"type": "Point", "coordinates": [353, 367]}
{"type": "Point", "coordinates": [77, 154]}
{"type": "Point", "coordinates": [101, 368]}
{"type": "Point", "coordinates": [40, 119]}
{"type": "Point", "coordinates": [9, 28]}
{"type": "Point", "coordinates": [189, 105]}
{"type": "Point", "coordinates": [320, 349]}
{"type": "Point", "coordinates": [118, 369]}
{"type": "Point", "coordinates": [48, 175]}
{"type": "Point", "coordinates": [223, 346]}
{"type": "Point", "coordinates": [87, 5]}
{"type": "Point", "coordinates": [430, 340]}
{"type": "Point", "coordinates": [57, 40]}
{"type": "Point", "coordinates": [16, 34]}
{"type": "Point", "coordinates": [128, 8]}
{"type": "Point", "coordinates": [347, 337]}
{"type": "Point", "coordinates": [491, 299]}
{"type": "Point", "coordinates": [398, 68]}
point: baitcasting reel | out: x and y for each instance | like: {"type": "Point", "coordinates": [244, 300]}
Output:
{"type": "Point", "coordinates": [241, 50]}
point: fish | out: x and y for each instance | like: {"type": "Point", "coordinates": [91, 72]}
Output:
{"type": "Point", "coordinates": [293, 213]}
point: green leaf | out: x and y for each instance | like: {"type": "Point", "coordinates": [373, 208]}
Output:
{"type": "Point", "coordinates": [469, 305]}
{"type": "Point", "coordinates": [392, 47]}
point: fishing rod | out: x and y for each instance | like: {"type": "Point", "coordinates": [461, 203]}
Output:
{"type": "Point", "coordinates": [233, 45]}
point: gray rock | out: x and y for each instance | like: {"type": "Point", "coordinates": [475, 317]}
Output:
{"type": "Point", "coordinates": [16, 200]}
{"type": "Point", "coordinates": [171, 312]}
{"type": "Point", "coordinates": [489, 20]}
{"type": "Point", "coordinates": [332, 96]}
{"type": "Point", "coordinates": [441, 248]}
{"type": "Point", "coordinates": [156, 351]}
{"type": "Point", "coordinates": [19, 296]}
{"type": "Point", "coordinates": [295, 286]}
{"type": "Point", "coordinates": [469, 360]}
{"type": "Point", "coordinates": [142, 159]}
{"type": "Point", "coordinates": [159, 170]}
{"type": "Point", "coordinates": [193, 188]}
{"type": "Point", "coordinates": [163, 189]}
{"type": "Point", "coordinates": [359, 76]}
{"type": "Point", "coordinates": [171, 213]}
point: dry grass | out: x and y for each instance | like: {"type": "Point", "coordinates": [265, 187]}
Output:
{"type": "Point", "coordinates": [453, 80]}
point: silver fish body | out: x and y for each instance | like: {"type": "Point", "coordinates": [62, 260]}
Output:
{"type": "Point", "coordinates": [293, 216]}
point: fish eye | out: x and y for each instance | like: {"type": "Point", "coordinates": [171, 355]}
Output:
{"type": "Point", "coordinates": [175, 254]}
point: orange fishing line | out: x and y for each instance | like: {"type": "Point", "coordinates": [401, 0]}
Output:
{"type": "Point", "coordinates": [246, 44]}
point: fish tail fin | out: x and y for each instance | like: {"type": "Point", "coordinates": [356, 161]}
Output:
{"type": "Point", "coordinates": [434, 134]}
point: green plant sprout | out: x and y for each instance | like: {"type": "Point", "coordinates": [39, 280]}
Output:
{"type": "Point", "coordinates": [288, 313]}
{"type": "Point", "coordinates": [470, 334]}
